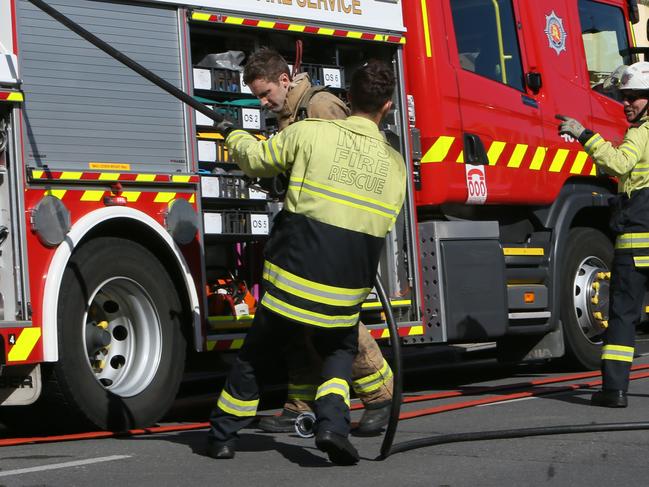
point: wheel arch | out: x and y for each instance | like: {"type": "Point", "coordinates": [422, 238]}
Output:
{"type": "Point", "coordinates": [580, 203]}
{"type": "Point", "coordinates": [117, 222]}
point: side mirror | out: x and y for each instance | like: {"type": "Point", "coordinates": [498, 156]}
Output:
{"type": "Point", "coordinates": [533, 81]}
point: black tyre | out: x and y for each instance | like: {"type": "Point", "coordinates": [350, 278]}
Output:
{"type": "Point", "coordinates": [121, 349]}
{"type": "Point", "coordinates": [585, 276]}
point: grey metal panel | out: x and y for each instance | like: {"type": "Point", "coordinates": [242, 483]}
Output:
{"type": "Point", "coordinates": [466, 229]}
{"type": "Point", "coordinates": [82, 106]}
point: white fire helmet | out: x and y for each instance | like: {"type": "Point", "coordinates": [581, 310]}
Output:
{"type": "Point", "coordinates": [635, 77]}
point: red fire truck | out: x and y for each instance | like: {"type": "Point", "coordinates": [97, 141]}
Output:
{"type": "Point", "coordinates": [512, 218]}
{"type": "Point", "coordinates": [130, 242]}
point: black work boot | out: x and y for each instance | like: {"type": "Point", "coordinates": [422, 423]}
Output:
{"type": "Point", "coordinates": [284, 423]}
{"type": "Point", "coordinates": [609, 398]}
{"type": "Point", "coordinates": [337, 447]}
{"type": "Point", "coordinates": [374, 419]}
{"type": "Point", "coordinates": [220, 451]}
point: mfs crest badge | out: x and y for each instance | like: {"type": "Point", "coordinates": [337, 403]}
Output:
{"type": "Point", "coordinates": [555, 32]}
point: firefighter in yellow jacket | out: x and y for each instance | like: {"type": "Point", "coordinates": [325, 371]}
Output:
{"type": "Point", "coordinates": [346, 189]}
{"type": "Point", "coordinates": [630, 273]}
{"type": "Point", "coordinates": [291, 99]}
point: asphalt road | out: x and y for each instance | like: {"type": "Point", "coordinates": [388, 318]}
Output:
{"type": "Point", "coordinates": [177, 458]}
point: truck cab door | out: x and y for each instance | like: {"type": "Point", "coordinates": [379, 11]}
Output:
{"type": "Point", "coordinates": [555, 44]}
{"type": "Point", "coordinates": [501, 119]}
{"type": "Point", "coordinates": [605, 41]}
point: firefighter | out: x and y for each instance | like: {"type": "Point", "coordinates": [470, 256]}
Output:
{"type": "Point", "coordinates": [630, 272]}
{"type": "Point", "coordinates": [346, 188]}
{"type": "Point", "coordinates": [267, 75]}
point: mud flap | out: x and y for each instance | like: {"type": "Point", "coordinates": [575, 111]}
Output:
{"type": "Point", "coordinates": [20, 385]}
{"type": "Point", "coordinates": [530, 348]}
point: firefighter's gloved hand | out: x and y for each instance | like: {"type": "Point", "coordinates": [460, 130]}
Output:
{"type": "Point", "coordinates": [224, 127]}
{"type": "Point", "coordinates": [570, 126]}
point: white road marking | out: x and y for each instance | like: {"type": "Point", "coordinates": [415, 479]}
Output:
{"type": "Point", "coordinates": [54, 466]}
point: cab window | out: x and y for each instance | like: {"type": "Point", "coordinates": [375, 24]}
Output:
{"type": "Point", "coordinates": [485, 32]}
{"type": "Point", "coordinates": [603, 31]}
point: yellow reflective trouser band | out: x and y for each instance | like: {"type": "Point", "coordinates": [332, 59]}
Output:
{"type": "Point", "coordinates": [305, 392]}
{"type": "Point", "coordinates": [334, 386]}
{"type": "Point", "coordinates": [593, 143]}
{"type": "Point", "coordinates": [345, 198]}
{"type": "Point", "coordinates": [372, 382]}
{"type": "Point", "coordinates": [305, 316]}
{"type": "Point", "coordinates": [641, 261]}
{"type": "Point", "coordinates": [632, 241]}
{"type": "Point", "coordinates": [311, 290]}
{"type": "Point", "coordinates": [617, 352]}
{"type": "Point", "coordinates": [237, 407]}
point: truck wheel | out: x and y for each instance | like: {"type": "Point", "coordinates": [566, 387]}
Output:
{"type": "Point", "coordinates": [584, 295]}
{"type": "Point", "coordinates": [121, 349]}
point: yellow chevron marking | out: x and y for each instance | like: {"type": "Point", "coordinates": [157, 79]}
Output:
{"type": "Point", "coordinates": [494, 152]}
{"type": "Point", "coordinates": [210, 345]}
{"type": "Point", "coordinates": [324, 31]}
{"type": "Point", "coordinates": [385, 334]}
{"type": "Point", "coordinates": [438, 150]}
{"type": "Point", "coordinates": [164, 197]}
{"type": "Point", "coordinates": [578, 165]}
{"type": "Point", "coordinates": [200, 16]}
{"type": "Point", "coordinates": [109, 176]}
{"type": "Point", "coordinates": [416, 330]}
{"type": "Point", "coordinates": [180, 179]}
{"type": "Point", "coordinates": [92, 196]}
{"type": "Point", "coordinates": [192, 199]}
{"type": "Point", "coordinates": [58, 193]}
{"type": "Point", "coordinates": [264, 24]}
{"type": "Point", "coordinates": [523, 251]}
{"type": "Point", "coordinates": [236, 343]}
{"type": "Point", "coordinates": [537, 160]}
{"type": "Point", "coordinates": [559, 159]}
{"type": "Point", "coordinates": [460, 157]}
{"type": "Point", "coordinates": [402, 40]}
{"type": "Point", "coordinates": [355, 35]}
{"type": "Point", "coordinates": [296, 28]}
{"type": "Point", "coordinates": [24, 345]}
{"type": "Point", "coordinates": [145, 178]}
{"type": "Point", "coordinates": [593, 171]}
{"type": "Point", "coordinates": [71, 175]}
{"type": "Point", "coordinates": [15, 97]}
{"type": "Point", "coordinates": [517, 156]}
{"type": "Point", "coordinates": [37, 174]}
{"type": "Point", "coordinates": [378, 37]}
{"type": "Point", "coordinates": [131, 196]}
{"type": "Point", "coordinates": [234, 20]}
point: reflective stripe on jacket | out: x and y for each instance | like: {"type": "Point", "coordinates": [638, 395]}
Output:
{"type": "Point", "coordinates": [629, 161]}
{"type": "Point", "coordinates": [347, 186]}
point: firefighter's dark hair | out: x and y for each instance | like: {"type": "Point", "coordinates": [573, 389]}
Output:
{"type": "Point", "coordinates": [266, 64]}
{"type": "Point", "coordinates": [372, 85]}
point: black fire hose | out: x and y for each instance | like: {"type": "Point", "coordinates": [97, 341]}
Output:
{"type": "Point", "coordinates": [517, 433]}
{"type": "Point", "coordinates": [127, 61]}
{"type": "Point", "coordinates": [388, 448]}
{"type": "Point", "coordinates": [395, 343]}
